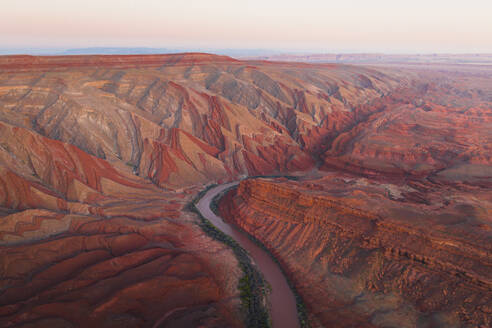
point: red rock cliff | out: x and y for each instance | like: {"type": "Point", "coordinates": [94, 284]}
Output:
{"type": "Point", "coordinates": [357, 265]}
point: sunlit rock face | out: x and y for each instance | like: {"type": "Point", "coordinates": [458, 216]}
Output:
{"type": "Point", "coordinates": [84, 242]}
{"type": "Point", "coordinates": [396, 229]}
{"type": "Point", "coordinates": [100, 155]}
{"type": "Point", "coordinates": [371, 253]}
{"type": "Point", "coordinates": [180, 120]}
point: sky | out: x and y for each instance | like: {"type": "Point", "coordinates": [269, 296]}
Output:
{"type": "Point", "coordinates": [389, 26]}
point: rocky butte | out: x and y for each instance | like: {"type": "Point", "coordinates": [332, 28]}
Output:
{"type": "Point", "coordinates": [388, 222]}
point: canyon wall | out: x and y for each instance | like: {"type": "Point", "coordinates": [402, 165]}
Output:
{"type": "Point", "coordinates": [84, 243]}
{"type": "Point", "coordinates": [359, 258]}
{"type": "Point", "coordinates": [186, 119]}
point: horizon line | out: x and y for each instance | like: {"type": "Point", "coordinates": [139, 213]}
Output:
{"type": "Point", "coordinates": [248, 52]}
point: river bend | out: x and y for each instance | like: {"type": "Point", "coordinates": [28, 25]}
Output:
{"type": "Point", "coordinates": [282, 301]}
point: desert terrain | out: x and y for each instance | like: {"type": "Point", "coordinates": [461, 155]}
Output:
{"type": "Point", "coordinates": [386, 220]}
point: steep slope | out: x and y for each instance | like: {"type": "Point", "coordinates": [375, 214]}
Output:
{"type": "Point", "coordinates": [396, 230]}
{"type": "Point", "coordinates": [366, 254]}
{"type": "Point", "coordinates": [85, 243]}
{"type": "Point", "coordinates": [440, 126]}
{"type": "Point", "coordinates": [181, 119]}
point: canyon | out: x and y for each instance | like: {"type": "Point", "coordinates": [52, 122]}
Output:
{"type": "Point", "coordinates": [362, 258]}
{"type": "Point", "coordinates": [387, 223]}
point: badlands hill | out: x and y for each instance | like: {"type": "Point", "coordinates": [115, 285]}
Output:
{"type": "Point", "coordinates": [100, 156]}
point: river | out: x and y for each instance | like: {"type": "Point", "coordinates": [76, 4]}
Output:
{"type": "Point", "coordinates": [283, 309]}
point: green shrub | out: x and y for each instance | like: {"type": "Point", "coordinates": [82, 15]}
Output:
{"type": "Point", "coordinates": [252, 286]}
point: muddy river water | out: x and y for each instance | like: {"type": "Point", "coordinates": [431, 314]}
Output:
{"type": "Point", "coordinates": [282, 300]}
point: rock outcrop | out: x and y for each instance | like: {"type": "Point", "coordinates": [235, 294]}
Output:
{"type": "Point", "coordinates": [190, 118]}
{"type": "Point", "coordinates": [360, 257]}
{"type": "Point", "coordinates": [434, 129]}
{"type": "Point", "coordinates": [84, 243]}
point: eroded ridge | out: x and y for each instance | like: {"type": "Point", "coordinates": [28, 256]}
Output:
{"type": "Point", "coordinates": [355, 263]}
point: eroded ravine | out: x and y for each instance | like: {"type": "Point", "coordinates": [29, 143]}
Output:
{"type": "Point", "coordinates": [282, 300]}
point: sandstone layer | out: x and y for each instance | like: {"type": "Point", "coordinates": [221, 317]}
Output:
{"type": "Point", "coordinates": [396, 229]}
{"type": "Point", "coordinates": [367, 254]}
{"type": "Point", "coordinates": [84, 243]}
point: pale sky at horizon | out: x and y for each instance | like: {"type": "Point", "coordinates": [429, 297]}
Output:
{"type": "Point", "coordinates": [309, 25]}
